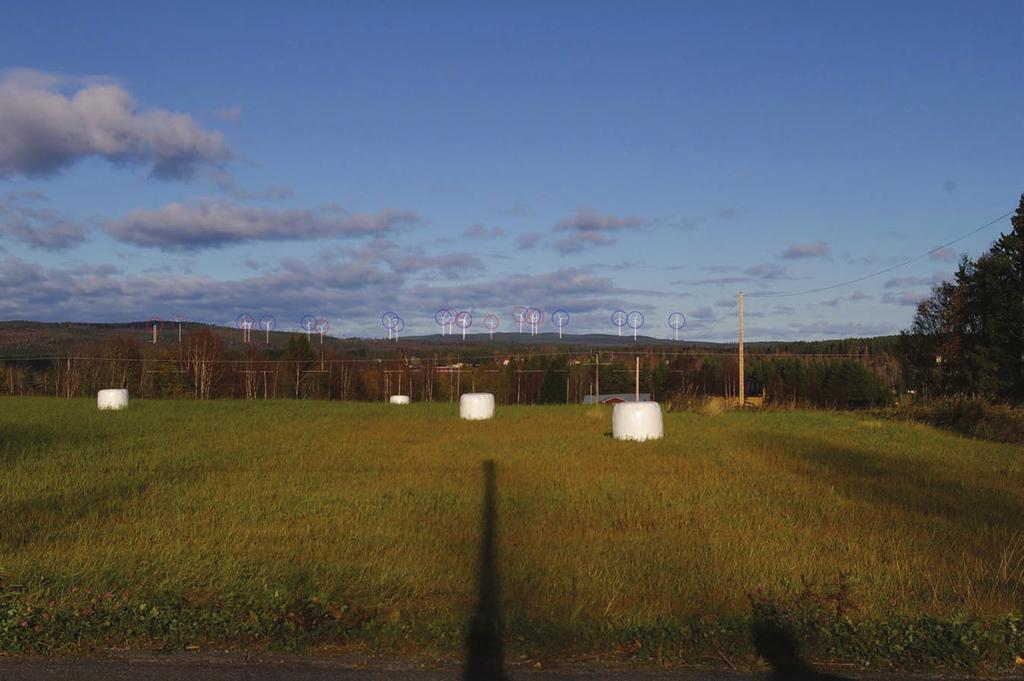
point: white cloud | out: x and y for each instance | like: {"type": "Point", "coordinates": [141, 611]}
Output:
{"type": "Point", "coordinates": [415, 260]}
{"type": "Point", "coordinates": [906, 298]}
{"type": "Point", "coordinates": [213, 224]}
{"type": "Point", "coordinates": [25, 217]}
{"type": "Point", "coordinates": [731, 275]}
{"type": "Point", "coordinates": [354, 291]}
{"type": "Point", "coordinates": [817, 249]}
{"type": "Point", "coordinates": [589, 228]}
{"type": "Point", "coordinates": [528, 241]}
{"type": "Point", "coordinates": [48, 122]}
{"type": "Point", "coordinates": [581, 240]}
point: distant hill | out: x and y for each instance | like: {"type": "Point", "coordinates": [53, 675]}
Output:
{"type": "Point", "coordinates": [22, 339]}
{"type": "Point", "coordinates": [595, 340]}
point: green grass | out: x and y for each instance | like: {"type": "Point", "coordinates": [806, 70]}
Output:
{"type": "Point", "coordinates": [296, 523]}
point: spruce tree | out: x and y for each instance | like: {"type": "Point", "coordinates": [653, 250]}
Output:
{"type": "Point", "coordinates": [975, 324]}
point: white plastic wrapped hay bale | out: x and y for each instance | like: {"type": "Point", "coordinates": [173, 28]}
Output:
{"type": "Point", "coordinates": [112, 398]}
{"type": "Point", "coordinates": [400, 399]}
{"type": "Point", "coordinates": [476, 406]}
{"type": "Point", "coordinates": [637, 421]}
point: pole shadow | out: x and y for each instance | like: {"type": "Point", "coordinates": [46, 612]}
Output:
{"type": "Point", "coordinates": [485, 639]}
{"type": "Point", "coordinates": [776, 643]}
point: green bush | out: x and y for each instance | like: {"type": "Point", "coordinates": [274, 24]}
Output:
{"type": "Point", "coordinates": [972, 417]}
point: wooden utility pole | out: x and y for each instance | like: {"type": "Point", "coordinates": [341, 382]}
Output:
{"type": "Point", "coordinates": [597, 381]}
{"type": "Point", "coordinates": [743, 387]}
{"type": "Point", "coordinates": [638, 378]}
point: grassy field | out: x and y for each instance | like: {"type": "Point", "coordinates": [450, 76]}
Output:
{"type": "Point", "coordinates": [294, 524]}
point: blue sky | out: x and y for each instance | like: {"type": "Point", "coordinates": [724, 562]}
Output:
{"type": "Point", "coordinates": [344, 159]}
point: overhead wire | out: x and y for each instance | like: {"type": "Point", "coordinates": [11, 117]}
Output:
{"type": "Point", "coordinates": [787, 294]}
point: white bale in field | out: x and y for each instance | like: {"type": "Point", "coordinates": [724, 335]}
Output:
{"type": "Point", "coordinates": [637, 421]}
{"type": "Point", "coordinates": [112, 398]}
{"type": "Point", "coordinates": [476, 406]}
{"type": "Point", "coordinates": [400, 399]}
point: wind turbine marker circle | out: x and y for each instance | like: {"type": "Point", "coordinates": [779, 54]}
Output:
{"type": "Point", "coordinates": [399, 324]}
{"type": "Point", "coordinates": [245, 322]}
{"type": "Point", "coordinates": [268, 322]}
{"type": "Point", "coordinates": [308, 322]}
{"type": "Point", "coordinates": [619, 318]}
{"type": "Point", "coordinates": [389, 320]}
{"type": "Point", "coordinates": [635, 319]}
{"type": "Point", "coordinates": [443, 317]}
{"type": "Point", "coordinates": [533, 316]}
{"type": "Point", "coordinates": [519, 314]}
{"type": "Point", "coordinates": [464, 319]}
{"type": "Point", "coordinates": [491, 322]}
{"type": "Point", "coordinates": [676, 320]}
{"type": "Point", "coordinates": [322, 326]}
{"type": "Point", "coordinates": [560, 318]}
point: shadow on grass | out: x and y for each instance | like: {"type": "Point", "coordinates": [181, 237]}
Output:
{"type": "Point", "coordinates": [485, 644]}
{"type": "Point", "coordinates": [777, 645]}
{"type": "Point", "coordinates": [53, 517]}
{"type": "Point", "coordinates": [20, 441]}
{"type": "Point", "coordinates": [915, 486]}
{"type": "Point", "coordinates": [909, 486]}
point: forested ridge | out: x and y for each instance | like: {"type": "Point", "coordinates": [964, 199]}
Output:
{"type": "Point", "coordinates": [966, 340]}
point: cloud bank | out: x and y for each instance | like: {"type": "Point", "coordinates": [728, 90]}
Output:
{"type": "Point", "coordinates": [588, 228]}
{"type": "Point", "coordinates": [215, 224]}
{"type": "Point", "coordinates": [25, 217]}
{"type": "Point", "coordinates": [49, 122]}
{"type": "Point", "coordinates": [348, 289]}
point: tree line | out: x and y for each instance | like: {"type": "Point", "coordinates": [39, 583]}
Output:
{"type": "Point", "coordinates": [204, 365]}
{"type": "Point", "coordinates": [967, 336]}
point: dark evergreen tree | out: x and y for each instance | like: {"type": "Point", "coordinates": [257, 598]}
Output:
{"type": "Point", "coordinates": [552, 389]}
{"type": "Point", "coordinates": [298, 357]}
{"type": "Point", "coordinates": [967, 338]}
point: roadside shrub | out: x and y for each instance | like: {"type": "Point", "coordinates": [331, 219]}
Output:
{"type": "Point", "coordinates": [968, 416]}
{"type": "Point", "coordinates": [701, 404]}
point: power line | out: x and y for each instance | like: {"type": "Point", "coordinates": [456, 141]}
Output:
{"type": "Point", "coordinates": [887, 269]}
